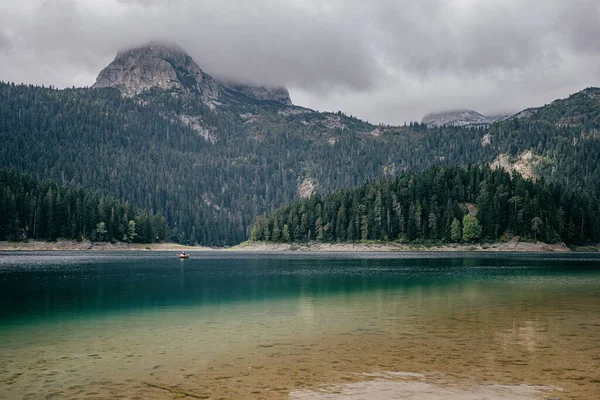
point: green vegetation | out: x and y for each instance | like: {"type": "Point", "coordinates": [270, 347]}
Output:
{"type": "Point", "coordinates": [580, 109]}
{"type": "Point", "coordinates": [140, 151]}
{"type": "Point", "coordinates": [45, 210]}
{"type": "Point", "coordinates": [471, 228]}
{"type": "Point", "coordinates": [438, 205]}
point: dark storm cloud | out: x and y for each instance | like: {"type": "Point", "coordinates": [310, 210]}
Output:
{"type": "Point", "coordinates": [383, 60]}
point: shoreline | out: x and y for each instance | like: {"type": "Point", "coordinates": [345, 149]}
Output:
{"type": "Point", "coordinates": [86, 245]}
{"type": "Point", "coordinates": [511, 246]}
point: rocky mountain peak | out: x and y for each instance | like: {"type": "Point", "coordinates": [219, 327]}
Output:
{"type": "Point", "coordinates": [156, 64]}
{"type": "Point", "coordinates": [457, 118]}
{"type": "Point", "coordinates": [168, 66]}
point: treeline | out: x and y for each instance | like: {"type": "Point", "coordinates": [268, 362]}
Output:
{"type": "Point", "coordinates": [438, 205]}
{"type": "Point", "coordinates": [211, 191]}
{"type": "Point", "coordinates": [44, 210]}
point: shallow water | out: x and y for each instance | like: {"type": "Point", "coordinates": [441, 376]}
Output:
{"type": "Point", "coordinates": [147, 325]}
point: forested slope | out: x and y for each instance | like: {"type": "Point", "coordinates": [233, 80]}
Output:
{"type": "Point", "coordinates": [210, 172]}
{"type": "Point", "coordinates": [45, 210]}
{"type": "Point", "coordinates": [438, 205]}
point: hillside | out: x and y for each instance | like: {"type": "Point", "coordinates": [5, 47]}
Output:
{"type": "Point", "coordinates": [447, 205]}
{"type": "Point", "coordinates": [210, 156]}
{"type": "Point", "coordinates": [45, 210]}
{"type": "Point", "coordinates": [210, 173]}
{"type": "Point", "coordinates": [581, 109]}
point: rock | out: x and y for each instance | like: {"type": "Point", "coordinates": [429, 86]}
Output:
{"type": "Point", "coordinates": [166, 66]}
{"type": "Point", "coordinates": [458, 118]}
{"type": "Point", "coordinates": [523, 164]}
{"type": "Point", "coordinates": [279, 94]}
{"type": "Point", "coordinates": [306, 189]}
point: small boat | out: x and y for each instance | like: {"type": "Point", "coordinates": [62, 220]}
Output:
{"type": "Point", "coordinates": [183, 254]}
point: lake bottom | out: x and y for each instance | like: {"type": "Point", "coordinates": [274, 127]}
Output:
{"type": "Point", "coordinates": [512, 338]}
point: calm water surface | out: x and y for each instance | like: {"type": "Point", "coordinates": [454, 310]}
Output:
{"type": "Point", "coordinates": [148, 325]}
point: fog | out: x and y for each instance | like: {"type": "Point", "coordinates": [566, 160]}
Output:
{"type": "Point", "coordinates": [384, 61]}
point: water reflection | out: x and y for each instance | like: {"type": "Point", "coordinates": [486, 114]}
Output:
{"type": "Point", "coordinates": [232, 326]}
{"type": "Point", "coordinates": [60, 288]}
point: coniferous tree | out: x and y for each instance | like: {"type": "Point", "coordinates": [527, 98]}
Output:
{"type": "Point", "coordinates": [502, 205]}
{"type": "Point", "coordinates": [455, 232]}
{"type": "Point", "coordinates": [144, 155]}
{"type": "Point", "coordinates": [45, 210]}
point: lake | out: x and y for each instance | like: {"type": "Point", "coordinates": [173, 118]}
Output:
{"type": "Point", "coordinates": [231, 325]}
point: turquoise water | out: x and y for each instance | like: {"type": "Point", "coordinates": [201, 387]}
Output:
{"type": "Point", "coordinates": [50, 286]}
{"type": "Point", "coordinates": [216, 313]}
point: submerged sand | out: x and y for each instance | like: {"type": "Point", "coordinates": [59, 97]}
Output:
{"type": "Point", "coordinates": [495, 342]}
{"type": "Point", "coordinates": [394, 386]}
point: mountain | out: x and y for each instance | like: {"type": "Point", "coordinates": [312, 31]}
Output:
{"type": "Point", "coordinates": [579, 109]}
{"type": "Point", "coordinates": [458, 118]}
{"type": "Point", "coordinates": [157, 65]}
{"type": "Point", "coordinates": [167, 66]}
{"type": "Point", "coordinates": [279, 94]}
{"type": "Point", "coordinates": [211, 156]}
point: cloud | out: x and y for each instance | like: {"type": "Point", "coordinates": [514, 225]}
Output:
{"type": "Point", "coordinates": [143, 3]}
{"type": "Point", "coordinates": [385, 61]}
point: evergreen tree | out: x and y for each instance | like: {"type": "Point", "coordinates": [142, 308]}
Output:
{"type": "Point", "coordinates": [471, 228]}
{"type": "Point", "coordinates": [146, 156]}
{"type": "Point", "coordinates": [455, 231]}
{"type": "Point", "coordinates": [506, 201]}
{"type": "Point", "coordinates": [101, 232]}
{"type": "Point", "coordinates": [286, 233]}
{"type": "Point", "coordinates": [45, 210]}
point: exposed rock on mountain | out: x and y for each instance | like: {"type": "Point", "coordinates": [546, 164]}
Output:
{"type": "Point", "coordinates": [307, 188]}
{"type": "Point", "coordinates": [160, 65]}
{"type": "Point", "coordinates": [458, 118]}
{"type": "Point", "coordinates": [211, 170]}
{"type": "Point", "coordinates": [168, 66]}
{"type": "Point", "coordinates": [279, 94]}
{"type": "Point", "coordinates": [523, 164]}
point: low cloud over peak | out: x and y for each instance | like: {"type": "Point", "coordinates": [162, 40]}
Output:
{"type": "Point", "coordinates": [383, 61]}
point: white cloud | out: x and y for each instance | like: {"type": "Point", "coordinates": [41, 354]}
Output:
{"type": "Point", "coordinates": [385, 61]}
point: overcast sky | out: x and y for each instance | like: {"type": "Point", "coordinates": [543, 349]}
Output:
{"type": "Point", "coordinates": [382, 60]}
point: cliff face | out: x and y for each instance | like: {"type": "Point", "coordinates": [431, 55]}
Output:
{"type": "Point", "coordinates": [157, 65]}
{"type": "Point", "coordinates": [168, 66]}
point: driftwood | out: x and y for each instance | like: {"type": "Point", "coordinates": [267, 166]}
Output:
{"type": "Point", "coordinates": [176, 390]}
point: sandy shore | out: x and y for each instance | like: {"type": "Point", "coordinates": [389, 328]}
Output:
{"type": "Point", "coordinates": [66, 245]}
{"type": "Point", "coordinates": [512, 246]}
